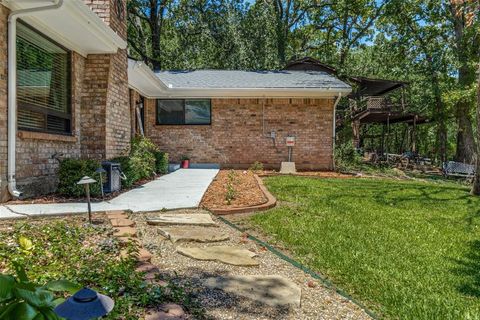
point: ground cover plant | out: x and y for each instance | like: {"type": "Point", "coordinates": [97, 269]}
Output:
{"type": "Point", "coordinates": [88, 256]}
{"type": "Point", "coordinates": [407, 249]}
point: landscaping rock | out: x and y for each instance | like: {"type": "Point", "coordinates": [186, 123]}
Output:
{"type": "Point", "coordinates": [169, 311]}
{"type": "Point", "coordinates": [120, 222]}
{"type": "Point", "coordinates": [117, 215]}
{"type": "Point", "coordinates": [271, 290]}
{"type": "Point", "coordinates": [192, 234]}
{"type": "Point", "coordinates": [125, 240]}
{"type": "Point", "coordinates": [230, 255]}
{"type": "Point", "coordinates": [142, 255]}
{"type": "Point", "coordinates": [146, 267]}
{"type": "Point", "coordinates": [125, 232]}
{"type": "Point", "coordinates": [182, 219]}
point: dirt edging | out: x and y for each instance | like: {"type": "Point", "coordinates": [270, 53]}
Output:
{"type": "Point", "coordinates": [270, 203]}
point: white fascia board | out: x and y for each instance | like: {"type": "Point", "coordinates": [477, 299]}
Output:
{"type": "Point", "coordinates": [94, 29]}
{"type": "Point", "coordinates": [253, 93]}
{"type": "Point", "coordinates": [142, 79]}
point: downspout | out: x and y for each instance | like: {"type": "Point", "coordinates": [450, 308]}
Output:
{"type": "Point", "coordinates": [12, 90]}
{"type": "Point", "coordinates": [335, 127]}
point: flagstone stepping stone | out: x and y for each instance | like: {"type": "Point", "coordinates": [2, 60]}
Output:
{"type": "Point", "coordinates": [125, 232]}
{"type": "Point", "coordinates": [146, 267]}
{"type": "Point", "coordinates": [168, 311]}
{"type": "Point", "coordinates": [120, 222]}
{"type": "Point", "coordinates": [192, 234]}
{"type": "Point", "coordinates": [201, 219]}
{"type": "Point", "coordinates": [116, 215]}
{"type": "Point", "coordinates": [271, 290]}
{"type": "Point", "coordinates": [230, 255]}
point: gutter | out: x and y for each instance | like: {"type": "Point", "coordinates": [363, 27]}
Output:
{"type": "Point", "coordinates": [335, 127]}
{"type": "Point", "coordinates": [12, 90]}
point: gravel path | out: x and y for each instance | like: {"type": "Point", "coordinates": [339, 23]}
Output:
{"type": "Point", "coordinates": [318, 302]}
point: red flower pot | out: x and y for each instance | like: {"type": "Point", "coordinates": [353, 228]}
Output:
{"type": "Point", "coordinates": [185, 164]}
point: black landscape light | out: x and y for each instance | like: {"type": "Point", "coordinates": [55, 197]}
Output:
{"type": "Point", "coordinates": [85, 304]}
{"type": "Point", "coordinates": [86, 182]}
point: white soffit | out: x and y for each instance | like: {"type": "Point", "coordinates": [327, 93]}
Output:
{"type": "Point", "coordinates": [74, 26]}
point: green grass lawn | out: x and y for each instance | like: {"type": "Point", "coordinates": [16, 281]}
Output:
{"type": "Point", "coordinates": [406, 249]}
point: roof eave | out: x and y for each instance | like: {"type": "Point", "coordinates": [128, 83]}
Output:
{"type": "Point", "coordinates": [252, 93]}
{"type": "Point", "coordinates": [83, 16]}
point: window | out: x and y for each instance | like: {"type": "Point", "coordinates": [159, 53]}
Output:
{"type": "Point", "coordinates": [175, 112]}
{"type": "Point", "coordinates": [43, 83]}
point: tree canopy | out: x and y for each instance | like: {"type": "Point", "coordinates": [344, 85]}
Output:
{"type": "Point", "coordinates": [431, 44]}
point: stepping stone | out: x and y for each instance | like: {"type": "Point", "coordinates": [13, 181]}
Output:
{"type": "Point", "coordinates": [230, 255]}
{"type": "Point", "coordinates": [271, 290]}
{"type": "Point", "coordinates": [120, 222]}
{"type": "Point", "coordinates": [125, 232]}
{"type": "Point", "coordinates": [146, 267]}
{"type": "Point", "coordinates": [168, 311]}
{"type": "Point", "coordinates": [117, 215]}
{"type": "Point", "coordinates": [201, 219]}
{"type": "Point", "coordinates": [192, 234]}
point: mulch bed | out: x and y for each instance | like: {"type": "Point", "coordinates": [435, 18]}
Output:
{"type": "Point", "coordinates": [56, 198]}
{"type": "Point", "coordinates": [247, 191]}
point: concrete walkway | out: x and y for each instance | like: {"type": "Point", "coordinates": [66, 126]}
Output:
{"type": "Point", "coordinates": [177, 190]}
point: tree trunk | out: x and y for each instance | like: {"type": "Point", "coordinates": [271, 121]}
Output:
{"type": "Point", "coordinates": [476, 180]}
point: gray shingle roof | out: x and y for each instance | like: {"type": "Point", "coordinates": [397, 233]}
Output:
{"type": "Point", "coordinates": [233, 79]}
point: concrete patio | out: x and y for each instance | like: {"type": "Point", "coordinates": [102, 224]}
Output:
{"type": "Point", "coordinates": [178, 190]}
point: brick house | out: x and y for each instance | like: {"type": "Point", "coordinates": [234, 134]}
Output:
{"type": "Point", "coordinates": [68, 90]}
{"type": "Point", "coordinates": [71, 98]}
{"type": "Point", "coordinates": [234, 118]}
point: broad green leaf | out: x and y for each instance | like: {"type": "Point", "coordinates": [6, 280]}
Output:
{"type": "Point", "coordinates": [23, 311]}
{"type": "Point", "coordinates": [25, 243]}
{"type": "Point", "coordinates": [58, 301]}
{"type": "Point", "coordinates": [63, 285]}
{"type": "Point", "coordinates": [5, 311]}
{"type": "Point", "coordinates": [48, 314]}
{"type": "Point", "coordinates": [7, 283]}
{"type": "Point", "coordinates": [21, 274]}
{"type": "Point", "coordinates": [38, 298]}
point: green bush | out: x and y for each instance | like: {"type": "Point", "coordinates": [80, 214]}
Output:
{"type": "Point", "coordinates": [128, 170]}
{"type": "Point", "coordinates": [71, 171]}
{"type": "Point", "coordinates": [346, 157]}
{"type": "Point", "coordinates": [161, 162]}
{"type": "Point", "coordinates": [141, 162]}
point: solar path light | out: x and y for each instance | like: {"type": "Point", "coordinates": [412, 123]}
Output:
{"type": "Point", "coordinates": [85, 304]}
{"type": "Point", "coordinates": [86, 182]}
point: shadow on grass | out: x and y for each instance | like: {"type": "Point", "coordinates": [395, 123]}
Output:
{"type": "Point", "coordinates": [468, 268]}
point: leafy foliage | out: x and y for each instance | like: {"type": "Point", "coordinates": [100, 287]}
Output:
{"type": "Point", "coordinates": [83, 254]}
{"type": "Point", "coordinates": [141, 162]}
{"type": "Point", "coordinates": [161, 162]}
{"type": "Point", "coordinates": [71, 171]}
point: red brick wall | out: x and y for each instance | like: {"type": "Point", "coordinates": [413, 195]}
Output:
{"type": "Point", "coordinates": [101, 116]}
{"type": "Point", "coordinates": [240, 133]}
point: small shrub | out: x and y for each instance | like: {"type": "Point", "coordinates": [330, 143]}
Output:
{"type": "Point", "coordinates": [161, 162]}
{"type": "Point", "coordinates": [346, 157]}
{"type": "Point", "coordinates": [142, 157]}
{"type": "Point", "coordinates": [231, 192]}
{"type": "Point", "coordinates": [71, 171]}
{"type": "Point", "coordinates": [256, 166]}
{"type": "Point", "coordinates": [128, 170]}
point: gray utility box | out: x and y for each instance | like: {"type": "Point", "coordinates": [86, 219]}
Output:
{"type": "Point", "coordinates": [113, 181]}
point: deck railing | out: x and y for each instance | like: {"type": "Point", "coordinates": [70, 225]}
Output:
{"type": "Point", "coordinates": [377, 103]}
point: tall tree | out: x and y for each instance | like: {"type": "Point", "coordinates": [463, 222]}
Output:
{"type": "Point", "coordinates": [466, 43]}
{"type": "Point", "coordinates": [145, 22]}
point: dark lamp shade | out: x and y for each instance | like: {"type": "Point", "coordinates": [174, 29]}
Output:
{"type": "Point", "coordinates": [85, 304]}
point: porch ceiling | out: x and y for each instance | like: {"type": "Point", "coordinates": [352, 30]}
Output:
{"type": "Point", "coordinates": [74, 26]}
